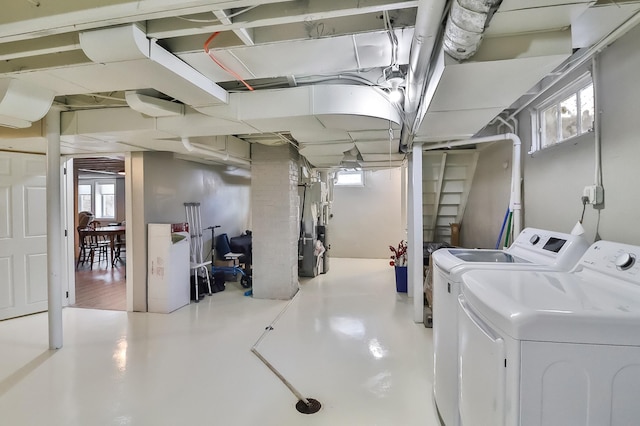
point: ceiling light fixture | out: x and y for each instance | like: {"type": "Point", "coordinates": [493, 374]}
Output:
{"type": "Point", "coordinates": [394, 77]}
{"type": "Point", "coordinates": [395, 95]}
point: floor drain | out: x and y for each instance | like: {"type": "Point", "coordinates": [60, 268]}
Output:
{"type": "Point", "coordinates": [313, 406]}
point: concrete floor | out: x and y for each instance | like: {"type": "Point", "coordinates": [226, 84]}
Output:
{"type": "Point", "coordinates": [347, 340]}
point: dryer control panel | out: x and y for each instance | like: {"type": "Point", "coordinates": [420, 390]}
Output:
{"type": "Point", "coordinates": [550, 248]}
{"type": "Point", "coordinates": [615, 259]}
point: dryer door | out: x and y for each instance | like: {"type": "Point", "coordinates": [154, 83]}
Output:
{"type": "Point", "coordinates": [482, 371]}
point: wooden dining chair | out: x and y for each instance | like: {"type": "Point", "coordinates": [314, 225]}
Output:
{"type": "Point", "coordinates": [91, 248]}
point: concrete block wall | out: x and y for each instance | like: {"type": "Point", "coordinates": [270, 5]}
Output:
{"type": "Point", "coordinates": [275, 217]}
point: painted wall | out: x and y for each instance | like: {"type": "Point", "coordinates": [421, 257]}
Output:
{"type": "Point", "coordinates": [366, 220]}
{"type": "Point", "coordinates": [489, 197]}
{"type": "Point", "coordinates": [224, 197]}
{"type": "Point", "coordinates": [165, 184]}
{"type": "Point", "coordinates": [555, 177]}
{"type": "Point", "coordinates": [567, 169]}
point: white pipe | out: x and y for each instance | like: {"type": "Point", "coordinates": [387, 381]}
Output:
{"type": "Point", "coordinates": [416, 236]}
{"type": "Point", "coordinates": [54, 229]}
{"type": "Point", "coordinates": [214, 154]}
{"type": "Point", "coordinates": [591, 51]}
{"type": "Point", "coordinates": [595, 76]}
{"type": "Point", "coordinates": [515, 202]}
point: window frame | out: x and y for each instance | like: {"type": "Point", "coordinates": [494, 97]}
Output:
{"type": "Point", "coordinates": [556, 99]}
{"type": "Point", "coordinates": [101, 195]}
{"type": "Point", "coordinates": [94, 182]}
{"type": "Point", "coordinates": [350, 172]}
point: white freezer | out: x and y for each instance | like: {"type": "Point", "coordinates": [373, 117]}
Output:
{"type": "Point", "coordinates": [168, 273]}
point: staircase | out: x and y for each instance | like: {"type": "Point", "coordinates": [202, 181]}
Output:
{"type": "Point", "coordinates": [446, 182]}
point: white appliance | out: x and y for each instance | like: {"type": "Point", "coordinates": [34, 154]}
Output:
{"type": "Point", "coordinates": [553, 348]}
{"type": "Point", "coordinates": [534, 249]}
{"type": "Point", "coordinates": [168, 270]}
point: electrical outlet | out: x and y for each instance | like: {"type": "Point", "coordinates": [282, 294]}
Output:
{"type": "Point", "coordinates": [594, 194]}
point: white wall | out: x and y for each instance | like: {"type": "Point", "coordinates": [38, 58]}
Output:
{"type": "Point", "coordinates": [165, 183]}
{"type": "Point", "coordinates": [366, 220]}
{"type": "Point", "coordinates": [554, 178]}
{"type": "Point", "coordinates": [169, 183]}
{"type": "Point", "coordinates": [489, 197]}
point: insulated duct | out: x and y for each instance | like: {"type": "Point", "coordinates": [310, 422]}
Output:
{"type": "Point", "coordinates": [465, 26]}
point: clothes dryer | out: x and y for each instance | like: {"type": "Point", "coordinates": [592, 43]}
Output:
{"type": "Point", "coordinates": [553, 348]}
{"type": "Point", "coordinates": [533, 249]}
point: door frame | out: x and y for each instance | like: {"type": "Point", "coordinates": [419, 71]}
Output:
{"type": "Point", "coordinates": [70, 205]}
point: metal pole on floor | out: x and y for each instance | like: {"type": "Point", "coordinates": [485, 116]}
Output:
{"type": "Point", "coordinates": [304, 405]}
{"type": "Point", "coordinates": [54, 229]}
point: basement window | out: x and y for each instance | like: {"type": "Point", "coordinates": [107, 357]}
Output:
{"type": "Point", "coordinates": [565, 116]}
{"type": "Point", "coordinates": [349, 178]}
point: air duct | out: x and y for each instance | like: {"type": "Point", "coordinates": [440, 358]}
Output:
{"type": "Point", "coordinates": [126, 48]}
{"type": "Point", "coordinates": [465, 26]}
{"type": "Point", "coordinates": [22, 103]}
{"type": "Point", "coordinates": [210, 153]}
{"type": "Point", "coordinates": [152, 106]}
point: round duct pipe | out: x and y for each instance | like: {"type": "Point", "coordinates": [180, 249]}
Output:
{"type": "Point", "coordinates": [465, 26]}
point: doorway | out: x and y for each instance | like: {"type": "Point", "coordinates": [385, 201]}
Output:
{"type": "Point", "coordinates": [99, 195]}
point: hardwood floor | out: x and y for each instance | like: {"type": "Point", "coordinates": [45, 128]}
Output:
{"type": "Point", "coordinates": [102, 287]}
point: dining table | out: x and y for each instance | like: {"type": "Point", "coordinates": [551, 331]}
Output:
{"type": "Point", "coordinates": [113, 233]}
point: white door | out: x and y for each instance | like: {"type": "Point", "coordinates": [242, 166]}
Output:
{"type": "Point", "coordinates": [23, 231]}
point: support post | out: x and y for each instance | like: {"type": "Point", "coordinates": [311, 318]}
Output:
{"type": "Point", "coordinates": [54, 229]}
{"type": "Point", "coordinates": [416, 234]}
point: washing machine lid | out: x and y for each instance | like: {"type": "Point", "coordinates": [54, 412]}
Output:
{"type": "Point", "coordinates": [455, 260]}
{"type": "Point", "coordinates": [556, 306]}
{"type": "Point", "coordinates": [532, 248]}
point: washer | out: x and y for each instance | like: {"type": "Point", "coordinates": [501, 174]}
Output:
{"type": "Point", "coordinates": [534, 249]}
{"type": "Point", "coordinates": [553, 348]}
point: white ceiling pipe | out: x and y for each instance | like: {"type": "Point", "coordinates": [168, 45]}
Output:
{"type": "Point", "coordinates": [515, 203]}
{"type": "Point", "coordinates": [213, 154]}
{"type": "Point", "coordinates": [426, 29]}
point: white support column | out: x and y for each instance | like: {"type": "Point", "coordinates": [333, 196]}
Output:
{"type": "Point", "coordinates": [415, 235]}
{"type": "Point", "coordinates": [54, 229]}
{"type": "Point", "coordinates": [410, 224]}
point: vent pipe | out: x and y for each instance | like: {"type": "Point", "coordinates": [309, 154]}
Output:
{"type": "Point", "coordinates": [466, 25]}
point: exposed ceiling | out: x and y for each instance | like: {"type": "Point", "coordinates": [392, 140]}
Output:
{"type": "Point", "coordinates": [135, 75]}
{"type": "Point", "coordinates": [112, 165]}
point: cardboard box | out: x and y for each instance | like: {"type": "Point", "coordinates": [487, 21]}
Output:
{"type": "Point", "coordinates": [223, 263]}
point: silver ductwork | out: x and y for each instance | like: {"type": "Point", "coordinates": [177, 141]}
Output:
{"type": "Point", "coordinates": [427, 28]}
{"type": "Point", "coordinates": [466, 25]}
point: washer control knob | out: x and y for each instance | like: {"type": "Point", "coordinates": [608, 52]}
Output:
{"type": "Point", "coordinates": [534, 240]}
{"type": "Point", "coordinates": [625, 261]}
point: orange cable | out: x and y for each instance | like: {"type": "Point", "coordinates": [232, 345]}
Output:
{"type": "Point", "coordinates": [233, 73]}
